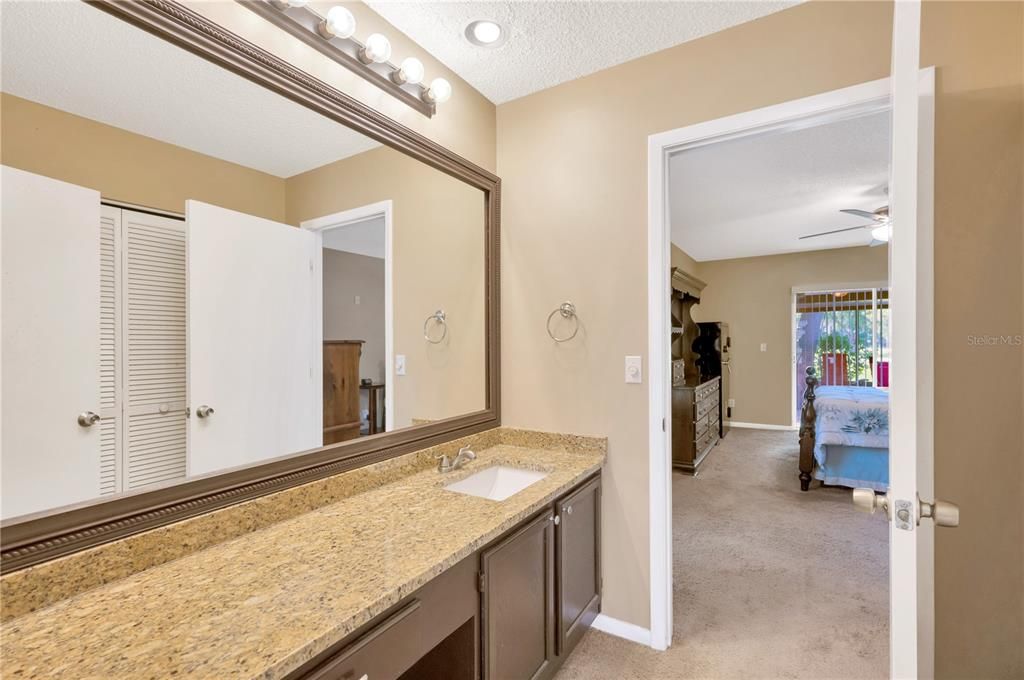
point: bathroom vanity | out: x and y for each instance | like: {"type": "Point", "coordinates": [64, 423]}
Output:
{"type": "Point", "coordinates": [513, 609]}
{"type": "Point", "coordinates": [402, 579]}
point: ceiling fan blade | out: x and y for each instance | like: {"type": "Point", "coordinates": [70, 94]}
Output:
{"type": "Point", "coordinates": [838, 231]}
{"type": "Point", "coordinates": [860, 213]}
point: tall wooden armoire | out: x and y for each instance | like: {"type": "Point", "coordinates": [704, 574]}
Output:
{"type": "Point", "coordinates": [341, 390]}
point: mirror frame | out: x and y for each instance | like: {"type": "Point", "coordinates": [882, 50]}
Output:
{"type": "Point", "coordinates": [32, 539]}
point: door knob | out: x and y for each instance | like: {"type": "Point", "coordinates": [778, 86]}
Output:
{"type": "Point", "coordinates": [88, 418]}
{"type": "Point", "coordinates": [868, 501]}
{"type": "Point", "coordinates": [204, 411]}
{"type": "Point", "coordinates": [942, 513]}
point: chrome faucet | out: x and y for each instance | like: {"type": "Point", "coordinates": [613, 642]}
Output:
{"type": "Point", "coordinates": [464, 455]}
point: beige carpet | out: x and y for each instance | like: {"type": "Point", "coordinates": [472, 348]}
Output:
{"type": "Point", "coordinates": [770, 582]}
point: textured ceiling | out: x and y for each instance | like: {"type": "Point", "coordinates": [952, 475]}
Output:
{"type": "Point", "coordinates": [756, 195]}
{"type": "Point", "coordinates": [555, 42]}
{"type": "Point", "coordinates": [73, 57]}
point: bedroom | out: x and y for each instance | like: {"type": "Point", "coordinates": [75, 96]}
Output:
{"type": "Point", "coordinates": [780, 265]}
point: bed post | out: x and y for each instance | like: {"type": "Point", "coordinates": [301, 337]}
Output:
{"type": "Point", "coordinates": [807, 421]}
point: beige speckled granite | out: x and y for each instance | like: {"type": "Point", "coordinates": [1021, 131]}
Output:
{"type": "Point", "coordinates": [260, 605]}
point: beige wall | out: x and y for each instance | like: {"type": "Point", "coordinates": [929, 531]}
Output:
{"type": "Point", "coordinates": [754, 296]}
{"type": "Point", "coordinates": [465, 124]}
{"type": "Point", "coordinates": [573, 165]}
{"type": "Point", "coordinates": [347, 275]}
{"type": "Point", "coordinates": [573, 162]}
{"type": "Point", "coordinates": [979, 218]}
{"type": "Point", "coordinates": [438, 251]}
{"type": "Point", "coordinates": [124, 166]}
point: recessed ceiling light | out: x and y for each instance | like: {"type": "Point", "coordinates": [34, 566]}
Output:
{"type": "Point", "coordinates": [485, 33]}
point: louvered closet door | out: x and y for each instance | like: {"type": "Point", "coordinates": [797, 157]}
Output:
{"type": "Point", "coordinates": [153, 291]}
{"type": "Point", "coordinates": [110, 351]}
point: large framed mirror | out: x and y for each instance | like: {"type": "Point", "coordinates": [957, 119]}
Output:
{"type": "Point", "coordinates": [221, 277]}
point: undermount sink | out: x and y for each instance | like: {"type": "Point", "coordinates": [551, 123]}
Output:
{"type": "Point", "coordinates": [496, 483]}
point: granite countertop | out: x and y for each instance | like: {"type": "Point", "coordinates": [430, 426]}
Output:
{"type": "Point", "coordinates": [261, 605]}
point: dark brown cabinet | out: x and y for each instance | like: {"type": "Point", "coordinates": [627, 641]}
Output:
{"type": "Point", "coordinates": [341, 390]}
{"type": "Point", "coordinates": [695, 423]}
{"type": "Point", "coordinates": [518, 584]}
{"type": "Point", "coordinates": [577, 563]}
{"type": "Point", "coordinates": [541, 588]}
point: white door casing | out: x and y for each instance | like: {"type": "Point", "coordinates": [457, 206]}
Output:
{"type": "Point", "coordinates": [254, 344]}
{"type": "Point", "coordinates": [340, 220]}
{"type": "Point", "coordinates": [50, 344]}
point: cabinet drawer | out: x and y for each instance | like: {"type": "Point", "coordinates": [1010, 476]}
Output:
{"type": "Point", "coordinates": [384, 651]}
{"type": "Point", "coordinates": [700, 427]}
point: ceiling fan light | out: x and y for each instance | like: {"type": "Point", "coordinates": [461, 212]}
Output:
{"type": "Point", "coordinates": [881, 233]}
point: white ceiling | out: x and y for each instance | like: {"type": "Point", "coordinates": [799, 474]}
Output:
{"type": "Point", "coordinates": [361, 238]}
{"type": "Point", "coordinates": [554, 42]}
{"type": "Point", "coordinates": [73, 57]}
{"type": "Point", "coordinates": [756, 195]}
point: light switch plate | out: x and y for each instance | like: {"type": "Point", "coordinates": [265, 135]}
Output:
{"type": "Point", "coordinates": [634, 369]}
{"type": "Point", "coordinates": [399, 364]}
{"type": "Point", "coordinates": [732, 403]}
{"type": "Point", "coordinates": [764, 346]}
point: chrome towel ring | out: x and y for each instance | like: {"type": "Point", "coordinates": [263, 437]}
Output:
{"type": "Point", "coordinates": [568, 311]}
{"type": "Point", "coordinates": [437, 317]}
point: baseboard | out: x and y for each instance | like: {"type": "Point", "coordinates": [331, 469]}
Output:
{"type": "Point", "coordinates": [762, 426]}
{"type": "Point", "coordinates": [622, 629]}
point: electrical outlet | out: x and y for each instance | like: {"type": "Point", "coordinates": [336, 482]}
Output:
{"type": "Point", "coordinates": [764, 346]}
{"type": "Point", "coordinates": [634, 369]}
{"type": "Point", "coordinates": [399, 364]}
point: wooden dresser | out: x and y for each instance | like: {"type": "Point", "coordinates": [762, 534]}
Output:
{"type": "Point", "coordinates": [693, 437]}
{"type": "Point", "coordinates": [341, 390]}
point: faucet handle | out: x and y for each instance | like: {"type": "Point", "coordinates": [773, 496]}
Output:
{"type": "Point", "coordinates": [445, 463]}
{"type": "Point", "coordinates": [467, 453]}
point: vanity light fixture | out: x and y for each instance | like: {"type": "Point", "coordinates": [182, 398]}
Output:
{"type": "Point", "coordinates": [485, 33]}
{"type": "Point", "coordinates": [377, 50]}
{"type": "Point", "coordinates": [409, 71]}
{"type": "Point", "coordinates": [333, 35]}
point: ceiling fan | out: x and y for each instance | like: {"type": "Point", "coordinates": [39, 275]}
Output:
{"type": "Point", "coordinates": [879, 225]}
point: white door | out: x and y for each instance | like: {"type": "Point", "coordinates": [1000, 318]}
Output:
{"type": "Point", "coordinates": [254, 343]}
{"type": "Point", "coordinates": [50, 346]}
{"type": "Point", "coordinates": [912, 385]}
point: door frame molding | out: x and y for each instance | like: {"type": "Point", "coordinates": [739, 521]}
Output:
{"type": "Point", "coordinates": [855, 100]}
{"type": "Point", "coordinates": [32, 539]}
{"type": "Point", "coordinates": [345, 218]}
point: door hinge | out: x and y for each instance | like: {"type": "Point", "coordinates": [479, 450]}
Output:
{"type": "Point", "coordinates": [480, 581]}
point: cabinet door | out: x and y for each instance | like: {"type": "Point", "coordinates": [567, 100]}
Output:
{"type": "Point", "coordinates": [518, 602]}
{"type": "Point", "coordinates": [578, 562]}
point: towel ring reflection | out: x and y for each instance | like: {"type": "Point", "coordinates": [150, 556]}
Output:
{"type": "Point", "coordinates": [437, 317]}
{"type": "Point", "coordinates": [568, 311]}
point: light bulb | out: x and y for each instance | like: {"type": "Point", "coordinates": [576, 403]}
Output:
{"type": "Point", "coordinates": [339, 23]}
{"type": "Point", "coordinates": [881, 232]}
{"type": "Point", "coordinates": [377, 49]}
{"type": "Point", "coordinates": [439, 92]}
{"type": "Point", "coordinates": [486, 32]}
{"type": "Point", "coordinates": [410, 71]}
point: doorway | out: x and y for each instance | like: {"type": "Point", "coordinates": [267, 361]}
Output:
{"type": "Point", "coordinates": [911, 263]}
{"type": "Point", "coordinates": [356, 299]}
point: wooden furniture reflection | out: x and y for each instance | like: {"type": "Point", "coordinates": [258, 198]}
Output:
{"type": "Point", "coordinates": [341, 390]}
{"type": "Point", "coordinates": [374, 395]}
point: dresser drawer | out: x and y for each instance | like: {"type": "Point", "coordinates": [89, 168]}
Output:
{"type": "Point", "coordinates": [700, 427]}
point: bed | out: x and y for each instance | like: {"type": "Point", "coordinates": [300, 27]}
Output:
{"type": "Point", "coordinates": [844, 435]}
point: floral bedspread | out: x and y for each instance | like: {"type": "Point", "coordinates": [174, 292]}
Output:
{"type": "Point", "coordinates": [850, 416]}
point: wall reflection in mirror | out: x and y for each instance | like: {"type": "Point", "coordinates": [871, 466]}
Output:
{"type": "Point", "coordinates": [199, 274]}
